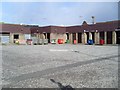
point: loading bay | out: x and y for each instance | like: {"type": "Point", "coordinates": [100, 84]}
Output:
{"type": "Point", "coordinates": [32, 66]}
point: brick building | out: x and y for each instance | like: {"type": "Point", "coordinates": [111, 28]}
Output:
{"type": "Point", "coordinates": [108, 31]}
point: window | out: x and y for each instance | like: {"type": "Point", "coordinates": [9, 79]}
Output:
{"type": "Point", "coordinates": [16, 36]}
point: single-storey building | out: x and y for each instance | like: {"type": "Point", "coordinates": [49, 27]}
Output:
{"type": "Point", "coordinates": [11, 32]}
{"type": "Point", "coordinates": [49, 32]}
{"type": "Point", "coordinates": [108, 31]}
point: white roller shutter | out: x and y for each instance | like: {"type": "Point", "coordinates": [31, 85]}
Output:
{"type": "Point", "coordinates": [5, 39]}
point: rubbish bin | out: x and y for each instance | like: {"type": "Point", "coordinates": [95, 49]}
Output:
{"type": "Point", "coordinates": [75, 42]}
{"type": "Point", "coordinates": [17, 42]}
{"type": "Point", "coordinates": [29, 41]}
{"type": "Point", "coordinates": [90, 42]}
{"type": "Point", "coordinates": [34, 40]}
{"type": "Point", "coordinates": [60, 41]}
{"type": "Point", "coordinates": [67, 41]}
{"type": "Point", "coordinates": [53, 41]}
{"type": "Point", "coordinates": [101, 41]}
{"type": "Point", "coordinates": [45, 41]}
{"type": "Point", "coordinates": [40, 41]}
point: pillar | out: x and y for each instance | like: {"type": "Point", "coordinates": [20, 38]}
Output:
{"type": "Point", "coordinates": [97, 38]}
{"type": "Point", "coordinates": [90, 35]}
{"type": "Point", "coordinates": [84, 38]}
{"type": "Point", "coordinates": [105, 37]}
{"type": "Point", "coordinates": [71, 38]}
{"type": "Point", "coordinates": [37, 36]}
{"type": "Point", "coordinates": [51, 36]}
{"type": "Point", "coordinates": [44, 35]}
{"type": "Point", "coordinates": [11, 38]}
{"type": "Point", "coordinates": [85, 35]}
{"type": "Point", "coordinates": [76, 37]}
{"type": "Point", "coordinates": [113, 37]}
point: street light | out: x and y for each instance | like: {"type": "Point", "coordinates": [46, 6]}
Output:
{"type": "Point", "coordinates": [37, 37]}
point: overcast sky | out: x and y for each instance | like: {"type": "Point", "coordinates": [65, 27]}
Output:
{"type": "Point", "coordinates": [58, 13]}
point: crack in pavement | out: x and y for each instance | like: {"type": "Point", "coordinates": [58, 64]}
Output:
{"type": "Point", "coordinates": [22, 77]}
{"type": "Point", "coordinates": [83, 53]}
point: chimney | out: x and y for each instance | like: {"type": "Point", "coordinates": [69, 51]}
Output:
{"type": "Point", "coordinates": [93, 20]}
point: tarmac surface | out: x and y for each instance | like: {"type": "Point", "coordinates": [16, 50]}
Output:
{"type": "Point", "coordinates": [80, 66]}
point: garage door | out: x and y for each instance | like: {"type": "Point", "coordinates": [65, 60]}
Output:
{"type": "Point", "coordinates": [118, 37]}
{"type": "Point", "coordinates": [5, 39]}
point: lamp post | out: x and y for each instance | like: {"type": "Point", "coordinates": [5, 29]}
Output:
{"type": "Point", "coordinates": [37, 36]}
{"type": "Point", "coordinates": [93, 19]}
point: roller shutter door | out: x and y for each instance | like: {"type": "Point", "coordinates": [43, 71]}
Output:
{"type": "Point", "coordinates": [5, 38]}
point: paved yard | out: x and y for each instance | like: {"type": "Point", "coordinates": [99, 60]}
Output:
{"type": "Point", "coordinates": [80, 66]}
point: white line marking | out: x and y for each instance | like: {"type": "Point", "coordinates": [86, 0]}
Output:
{"type": "Point", "coordinates": [59, 50]}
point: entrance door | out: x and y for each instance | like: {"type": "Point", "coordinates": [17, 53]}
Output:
{"type": "Point", "coordinates": [48, 37]}
{"type": "Point", "coordinates": [118, 37]}
{"type": "Point", "coordinates": [74, 37]}
{"type": "Point", "coordinates": [93, 36]}
{"type": "Point", "coordinates": [67, 36]}
{"type": "Point", "coordinates": [79, 37]}
{"type": "Point", "coordinates": [5, 38]}
{"type": "Point", "coordinates": [87, 33]}
{"type": "Point", "coordinates": [102, 35]}
{"type": "Point", "coordinates": [16, 36]}
{"type": "Point", "coordinates": [109, 37]}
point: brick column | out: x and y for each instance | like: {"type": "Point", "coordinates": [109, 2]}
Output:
{"type": "Point", "coordinates": [11, 38]}
{"type": "Point", "coordinates": [45, 35]}
{"type": "Point", "coordinates": [37, 38]}
{"type": "Point", "coordinates": [113, 37]}
{"type": "Point", "coordinates": [90, 35]}
{"type": "Point", "coordinates": [105, 37]}
{"type": "Point", "coordinates": [50, 36]}
{"type": "Point", "coordinates": [76, 37]}
{"type": "Point", "coordinates": [97, 37]}
{"type": "Point", "coordinates": [84, 38]}
{"type": "Point", "coordinates": [71, 38]}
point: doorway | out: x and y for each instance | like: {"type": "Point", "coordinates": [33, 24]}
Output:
{"type": "Point", "coordinates": [67, 34]}
{"type": "Point", "coordinates": [74, 36]}
{"type": "Point", "coordinates": [109, 37]}
{"type": "Point", "coordinates": [93, 36]}
{"type": "Point", "coordinates": [87, 33]}
{"type": "Point", "coordinates": [102, 35]}
{"type": "Point", "coordinates": [79, 37]}
{"type": "Point", "coordinates": [16, 36]}
{"type": "Point", "coordinates": [48, 37]}
{"type": "Point", "coordinates": [118, 37]}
